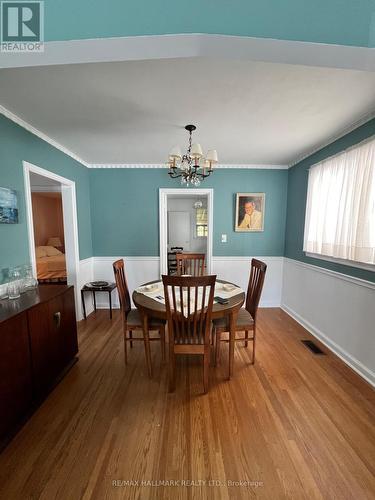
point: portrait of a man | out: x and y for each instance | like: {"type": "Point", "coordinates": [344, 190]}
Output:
{"type": "Point", "coordinates": [249, 212]}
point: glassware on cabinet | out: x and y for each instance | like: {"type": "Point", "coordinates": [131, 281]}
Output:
{"type": "Point", "coordinates": [4, 279]}
{"type": "Point", "coordinates": [14, 285]}
{"type": "Point", "coordinates": [28, 281]}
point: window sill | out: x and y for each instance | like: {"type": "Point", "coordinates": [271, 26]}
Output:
{"type": "Point", "coordinates": [344, 262]}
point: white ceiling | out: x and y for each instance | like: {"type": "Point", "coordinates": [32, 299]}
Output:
{"type": "Point", "coordinates": [134, 112]}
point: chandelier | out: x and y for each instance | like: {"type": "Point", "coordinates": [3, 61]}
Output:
{"type": "Point", "coordinates": [192, 167]}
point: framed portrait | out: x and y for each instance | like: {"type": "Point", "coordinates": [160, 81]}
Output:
{"type": "Point", "coordinates": [8, 206]}
{"type": "Point", "coordinates": [249, 212]}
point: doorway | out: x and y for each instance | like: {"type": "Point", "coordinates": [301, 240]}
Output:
{"type": "Point", "coordinates": [65, 257]}
{"type": "Point", "coordinates": [48, 224]}
{"type": "Point", "coordinates": [186, 224]}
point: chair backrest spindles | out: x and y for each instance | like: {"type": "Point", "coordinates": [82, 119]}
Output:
{"type": "Point", "coordinates": [189, 301]}
{"type": "Point", "coordinates": [190, 263]}
{"type": "Point", "coordinates": [254, 291]}
{"type": "Point", "coordinates": [122, 286]}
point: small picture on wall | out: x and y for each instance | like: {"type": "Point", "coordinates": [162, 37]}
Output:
{"type": "Point", "coordinates": [8, 206]}
{"type": "Point", "coordinates": [249, 212]}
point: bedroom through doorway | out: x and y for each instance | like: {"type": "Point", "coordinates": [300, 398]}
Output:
{"type": "Point", "coordinates": [51, 211]}
{"type": "Point", "coordinates": [48, 222]}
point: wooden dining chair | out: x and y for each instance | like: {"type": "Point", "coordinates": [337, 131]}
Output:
{"type": "Point", "coordinates": [190, 263]}
{"type": "Point", "coordinates": [247, 316]}
{"type": "Point", "coordinates": [188, 301]}
{"type": "Point", "coordinates": [132, 319]}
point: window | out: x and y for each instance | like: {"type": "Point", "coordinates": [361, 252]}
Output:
{"type": "Point", "coordinates": [340, 209]}
{"type": "Point", "coordinates": [201, 227]}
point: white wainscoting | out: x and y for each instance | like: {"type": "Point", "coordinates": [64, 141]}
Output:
{"type": "Point", "coordinates": [138, 270]}
{"type": "Point", "coordinates": [85, 275]}
{"type": "Point", "coordinates": [236, 269]}
{"type": "Point", "coordinates": [337, 309]}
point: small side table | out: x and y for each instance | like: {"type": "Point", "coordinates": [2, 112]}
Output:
{"type": "Point", "coordinates": [93, 289]}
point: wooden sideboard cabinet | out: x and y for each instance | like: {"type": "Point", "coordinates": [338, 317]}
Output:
{"type": "Point", "coordinates": [38, 344]}
{"type": "Point", "coordinates": [15, 371]}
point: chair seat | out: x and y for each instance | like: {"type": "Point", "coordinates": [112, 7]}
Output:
{"type": "Point", "coordinates": [244, 321]}
{"type": "Point", "coordinates": [134, 320]}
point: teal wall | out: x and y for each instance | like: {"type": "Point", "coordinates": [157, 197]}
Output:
{"type": "Point", "coordinates": [125, 213]}
{"type": "Point", "coordinates": [16, 145]}
{"type": "Point", "coordinates": [297, 189]}
{"type": "Point", "coordinates": [346, 22]}
{"type": "Point", "coordinates": [118, 208]}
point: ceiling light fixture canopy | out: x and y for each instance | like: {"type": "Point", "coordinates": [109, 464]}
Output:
{"type": "Point", "coordinates": [193, 166]}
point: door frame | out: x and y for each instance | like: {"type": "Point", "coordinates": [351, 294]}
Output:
{"type": "Point", "coordinates": [163, 222]}
{"type": "Point", "coordinates": [69, 203]}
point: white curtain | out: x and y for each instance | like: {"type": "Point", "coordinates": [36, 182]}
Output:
{"type": "Point", "coordinates": [340, 209]}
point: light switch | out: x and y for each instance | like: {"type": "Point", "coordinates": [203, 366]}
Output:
{"type": "Point", "coordinates": [223, 238]}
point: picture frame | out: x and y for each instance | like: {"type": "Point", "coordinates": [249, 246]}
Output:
{"type": "Point", "coordinates": [249, 216]}
{"type": "Point", "coordinates": [8, 206]}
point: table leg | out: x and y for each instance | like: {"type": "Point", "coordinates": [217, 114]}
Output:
{"type": "Point", "coordinates": [232, 336]}
{"type": "Point", "coordinates": [83, 303]}
{"type": "Point", "coordinates": [146, 338]}
{"type": "Point", "coordinates": [94, 294]}
{"type": "Point", "coordinates": [110, 304]}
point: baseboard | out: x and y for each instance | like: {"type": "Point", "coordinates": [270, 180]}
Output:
{"type": "Point", "coordinates": [356, 365]}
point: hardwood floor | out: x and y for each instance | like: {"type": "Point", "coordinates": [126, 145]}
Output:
{"type": "Point", "coordinates": [296, 425]}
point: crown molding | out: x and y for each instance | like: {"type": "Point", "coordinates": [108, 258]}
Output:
{"type": "Point", "coordinates": [350, 128]}
{"type": "Point", "coordinates": [251, 166]}
{"type": "Point", "coordinates": [30, 128]}
{"type": "Point", "coordinates": [220, 166]}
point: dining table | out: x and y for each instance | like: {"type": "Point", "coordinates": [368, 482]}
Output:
{"type": "Point", "coordinates": [149, 307]}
